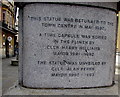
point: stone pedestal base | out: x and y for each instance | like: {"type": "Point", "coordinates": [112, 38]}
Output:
{"type": "Point", "coordinates": [18, 90]}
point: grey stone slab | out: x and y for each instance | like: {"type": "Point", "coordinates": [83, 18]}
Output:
{"type": "Point", "coordinates": [94, 92]}
{"type": "Point", "coordinates": [102, 4]}
{"type": "Point", "coordinates": [108, 4]}
{"type": "Point", "coordinates": [20, 45]}
{"type": "Point", "coordinates": [65, 46]}
{"type": "Point", "coordinates": [67, 1]}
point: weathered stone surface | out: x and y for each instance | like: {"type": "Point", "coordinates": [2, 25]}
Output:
{"type": "Point", "coordinates": [111, 91]}
{"type": "Point", "coordinates": [66, 46]}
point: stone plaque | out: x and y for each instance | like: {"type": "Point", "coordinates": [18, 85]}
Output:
{"type": "Point", "coordinates": [67, 46]}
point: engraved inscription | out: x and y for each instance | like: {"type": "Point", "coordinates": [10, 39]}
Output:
{"type": "Point", "coordinates": [72, 44]}
{"type": "Point", "coordinates": [70, 48]}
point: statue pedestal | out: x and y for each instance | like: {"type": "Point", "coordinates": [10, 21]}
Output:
{"type": "Point", "coordinates": [18, 90]}
{"type": "Point", "coordinates": [67, 45]}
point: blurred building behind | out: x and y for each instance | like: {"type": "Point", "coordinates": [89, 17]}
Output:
{"type": "Point", "coordinates": [7, 29]}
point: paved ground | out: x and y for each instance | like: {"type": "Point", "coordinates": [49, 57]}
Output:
{"type": "Point", "coordinates": [10, 73]}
